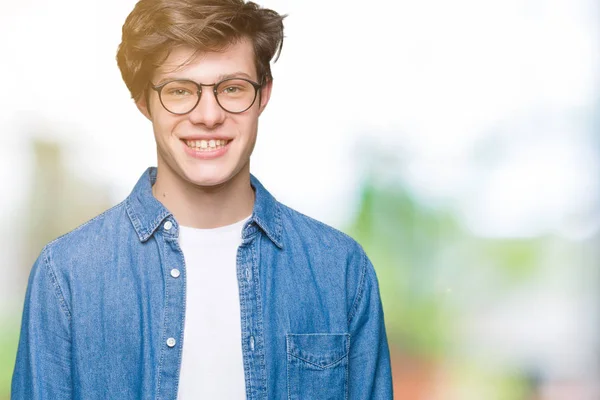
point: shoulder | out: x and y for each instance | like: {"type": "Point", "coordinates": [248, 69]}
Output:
{"type": "Point", "coordinates": [91, 240]}
{"type": "Point", "coordinates": [324, 245]}
{"type": "Point", "coordinates": [91, 231]}
{"type": "Point", "coordinates": [73, 253]}
{"type": "Point", "coordinates": [298, 226]}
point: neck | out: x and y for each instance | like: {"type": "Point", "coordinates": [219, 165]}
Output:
{"type": "Point", "coordinates": [205, 207]}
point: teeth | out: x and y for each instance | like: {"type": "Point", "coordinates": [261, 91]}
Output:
{"type": "Point", "coordinates": [206, 145]}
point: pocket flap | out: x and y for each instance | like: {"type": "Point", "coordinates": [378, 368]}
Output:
{"type": "Point", "coordinates": [321, 349]}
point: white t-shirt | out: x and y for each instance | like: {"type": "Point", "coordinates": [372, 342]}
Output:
{"type": "Point", "coordinates": [212, 365]}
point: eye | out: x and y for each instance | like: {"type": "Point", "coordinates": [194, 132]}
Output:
{"type": "Point", "coordinates": [231, 89]}
{"type": "Point", "coordinates": [179, 89]}
{"type": "Point", "coordinates": [178, 92]}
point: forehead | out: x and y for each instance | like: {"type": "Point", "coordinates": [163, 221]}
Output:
{"type": "Point", "coordinates": [185, 62]}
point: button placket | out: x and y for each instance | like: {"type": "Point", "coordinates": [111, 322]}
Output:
{"type": "Point", "coordinates": [174, 306]}
{"type": "Point", "coordinates": [253, 352]}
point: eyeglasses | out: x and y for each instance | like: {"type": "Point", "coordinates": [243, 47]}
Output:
{"type": "Point", "coordinates": [181, 96]}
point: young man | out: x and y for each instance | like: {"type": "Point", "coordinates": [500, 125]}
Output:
{"type": "Point", "coordinates": [200, 285]}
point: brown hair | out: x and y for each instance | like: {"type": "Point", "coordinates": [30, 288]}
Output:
{"type": "Point", "coordinates": [154, 27]}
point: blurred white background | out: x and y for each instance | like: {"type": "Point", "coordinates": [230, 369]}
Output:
{"type": "Point", "coordinates": [486, 108]}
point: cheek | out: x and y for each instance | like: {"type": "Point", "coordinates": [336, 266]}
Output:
{"type": "Point", "coordinates": [165, 125]}
{"type": "Point", "coordinates": [160, 117]}
{"type": "Point", "coordinates": [247, 131]}
{"type": "Point", "coordinates": [248, 123]}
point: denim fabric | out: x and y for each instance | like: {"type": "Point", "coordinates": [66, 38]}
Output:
{"type": "Point", "coordinates": [104, 315]}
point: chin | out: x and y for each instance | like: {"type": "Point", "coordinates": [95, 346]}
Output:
{"type": "Point", "coordinates": [208, 178]}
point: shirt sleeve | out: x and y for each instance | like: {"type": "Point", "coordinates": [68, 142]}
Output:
{"type": "Point", "coordinates": [43, 365]}
{"type": "Point", "coordinates": [369, 367]}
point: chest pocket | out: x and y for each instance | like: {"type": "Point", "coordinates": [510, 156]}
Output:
{"type": "Point", "coordinates": [317, 366]}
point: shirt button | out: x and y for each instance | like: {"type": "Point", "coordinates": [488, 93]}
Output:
{"type": "Point", "coordinates": [248, 274]}
{"type": "Point", "coordinates": [171, 342]}
{"type": "Point", "coordinates": [175, 273]}
{"type": "Point", "coordinates": [252, 343]}
{"type": "Point", "coordinates": [168, 225]}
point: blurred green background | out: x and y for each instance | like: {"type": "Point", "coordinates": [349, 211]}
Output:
{"type": "Point", "coordinates": [457, 142]}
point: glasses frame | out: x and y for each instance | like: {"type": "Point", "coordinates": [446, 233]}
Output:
{"type": "Point", "coordinates": [159, 88]}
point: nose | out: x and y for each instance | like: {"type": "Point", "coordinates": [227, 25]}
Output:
{"type": "Point", "coordinates": [207, 112]}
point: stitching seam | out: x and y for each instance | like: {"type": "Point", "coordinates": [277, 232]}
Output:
{"type": "Point", "coordinates": [57, 289]}
{"type": "Point", "coordinates": [361, 287]}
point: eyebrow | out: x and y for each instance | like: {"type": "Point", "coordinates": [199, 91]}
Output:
{"type": "Point", "coordinates": [237, 74]}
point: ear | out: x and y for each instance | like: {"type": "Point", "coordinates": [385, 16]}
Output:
{"type": "Point", "coordinates": [265, 95]}
{"type": "Point", "coordinates": [142, 105]}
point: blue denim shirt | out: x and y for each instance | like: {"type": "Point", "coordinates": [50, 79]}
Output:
{"type": "Point", "coordinates": [104, 316]}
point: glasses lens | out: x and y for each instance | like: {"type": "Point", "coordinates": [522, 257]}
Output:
{"type": "Point", "coordinates": [179, 97]}
{"type": "Point", "coordinates": [236, 95]}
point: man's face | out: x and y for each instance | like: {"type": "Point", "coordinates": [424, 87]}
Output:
{"type": "Point", "coordinates": [181, 153]}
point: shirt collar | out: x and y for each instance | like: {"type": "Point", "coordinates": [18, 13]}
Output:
{"type": "Point", "coordinates": [147, 214]}
{"type": "Point", "coordinates": [266, 213]}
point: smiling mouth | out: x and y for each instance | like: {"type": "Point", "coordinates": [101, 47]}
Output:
{"type": "Point", "coordinates": [206, 145]}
